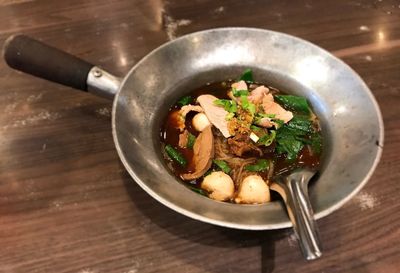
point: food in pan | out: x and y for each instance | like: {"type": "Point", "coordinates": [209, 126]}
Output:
{"type": "Point", "coordinates": [228, 140]}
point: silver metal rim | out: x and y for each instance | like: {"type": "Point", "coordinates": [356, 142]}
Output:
{"type": "Point", "coordinates": [286, 224]}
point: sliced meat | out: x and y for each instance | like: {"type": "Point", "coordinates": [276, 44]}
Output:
{"type": "Point", "coordinates": [271, 107]}
{"type": "Point", "coordinates": [257, 95]}
{"type": "Point", "coordinates": [203, 152]}
{"type": "Point", "coordinates": [187, 108]}
{"type": "Point", "coordinates": [183, 139]}
{"type": "Point", "coordinates": [180, 115]}
{"type": "Point", "coordinates": [241, 144]}
{"type": "Point", "coordinates": [240, 85]}
{"type": "Point", "coordinates": [214, 113]}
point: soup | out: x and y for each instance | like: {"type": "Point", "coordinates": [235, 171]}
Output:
{"type": "Point", "coordinates": [228, 140]}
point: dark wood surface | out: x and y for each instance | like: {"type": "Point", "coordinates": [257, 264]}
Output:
{"type": "Point", "coordinates": [68, 205]}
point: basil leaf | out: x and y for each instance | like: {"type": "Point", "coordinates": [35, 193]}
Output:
{"type": "Point", "coordinates": [185, 100]}
{"type": "Point", "coordinates": [260, 166]}
{"type": "Point", "coordinates": [247, 76]}
{"type": "Point", "coordinates": [191, 139]}
{"type": "Point", "coordinates": [222, 165]}
{"type": "Point", "coordinates": [289, 145]}
{"type": "Point", "coordinates": [294, 103]}
{"type": "Point", "coordinates": [300, 123]}
{"type": "Point", "coordinates": [316, 142]}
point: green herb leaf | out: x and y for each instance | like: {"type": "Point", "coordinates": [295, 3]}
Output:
{"type": "Point", "coordinates": [316, 142]}
{"type": "Point", "coordinates": [228, 105]}
{"type": "Point", "coordinates": [256, 128]}
{"type": "Point", "coordinates": [290, 141]}
{"type": "Point", "coordinates": [175, 155]}
{"type": "Point", "coordinates": [229, 116]}
{"type": "Point", "coordinates": [238, 93]}
{"type": "Point", "coordinates": [233, 107]}
{"type": "Point", "coordinates": [248, 106]}
{"type": "Point", "coordinates": [279, 123]}
{"type": "Point", "coordinates": [247, 76]}
{"type": "Point", "coordinates": [267, 139]}
{"type": "Point", "coordinates": [197, 190]}
{"type": "Point", "coordinates": [300, 123]}
{"type": "Point", "coordinates": [260, 166]}
{"type": "Point", "coordinates": [185, 100]}
{"type": "Point", "coordinates": [294, 103]}
{"type": "Point", "coordinates": [222, 165]}
{"type": "Point", "coordinates": [191, 139]}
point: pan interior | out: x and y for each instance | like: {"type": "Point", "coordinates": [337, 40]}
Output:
{"type": "Point", "coordinates": [349, 115]}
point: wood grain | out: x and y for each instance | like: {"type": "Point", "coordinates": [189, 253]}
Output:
{"type": "Point", "coordinates": [68, 205]}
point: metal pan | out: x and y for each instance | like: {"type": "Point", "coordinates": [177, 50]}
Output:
{"type": "Point", "coordinates": [351, 119]}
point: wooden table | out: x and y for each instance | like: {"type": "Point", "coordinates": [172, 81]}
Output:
{"type": "Point", "coordinates": [68, 205]}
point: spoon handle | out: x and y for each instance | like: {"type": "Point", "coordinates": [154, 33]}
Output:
{"type": "Point", "coordinates": [295, 194]}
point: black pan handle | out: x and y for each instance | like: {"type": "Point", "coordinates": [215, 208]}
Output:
{"type": "Point", "coordinates": [36, 58]}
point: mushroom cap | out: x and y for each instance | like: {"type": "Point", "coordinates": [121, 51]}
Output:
{"type": "Point", "coordinates": [219, 185]}
{"type": "Point", "coordinates": [253, 190]}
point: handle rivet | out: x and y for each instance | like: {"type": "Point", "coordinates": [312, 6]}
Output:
{"type": "Point", "coordinates": [97, 73]}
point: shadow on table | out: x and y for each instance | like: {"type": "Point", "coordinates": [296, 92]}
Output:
{"type": "Point", "coordinates": [240, 245]}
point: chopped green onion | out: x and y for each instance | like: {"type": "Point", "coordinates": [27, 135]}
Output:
{"type": "Point", "coordinates": [247, 76]}
{"type": "Point", "coordinates": [197, 190]}
{"type": "Point", "coordinates": [248, 106]}
{"type": "Point", "coordinates": [262, 115]}
{"type": "Point", "coordinates": [233, 108]}
{"type": "Point", "coordinates": [267, 139]}
{"type": "Point", "coordinates": [190, 141]}
{"type": "Point", "coordinates": [238, 93]}
{"type": "Point", "coordinates": [256, 128]}
{"type": "Point", "coordinates": [175, 155]}
{"type": "Point", "coordinates": [228, 105]}
{"type": "Point", "coordinates": [279, 123]}
{"type": "Point", "coordinates": [185, 100]}
{"type": "Point", "coordinates": [260, 166]}
{"type": "Point", "coordinates": [222, 165]}
{"type": "Point", "coordinates": [229, 116]}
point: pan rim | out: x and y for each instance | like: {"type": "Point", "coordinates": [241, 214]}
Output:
{"type": "Point", "coordinates": [201, 218]}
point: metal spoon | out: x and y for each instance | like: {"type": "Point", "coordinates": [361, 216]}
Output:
{"type": "Point", "coordinates": [294, 191]}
